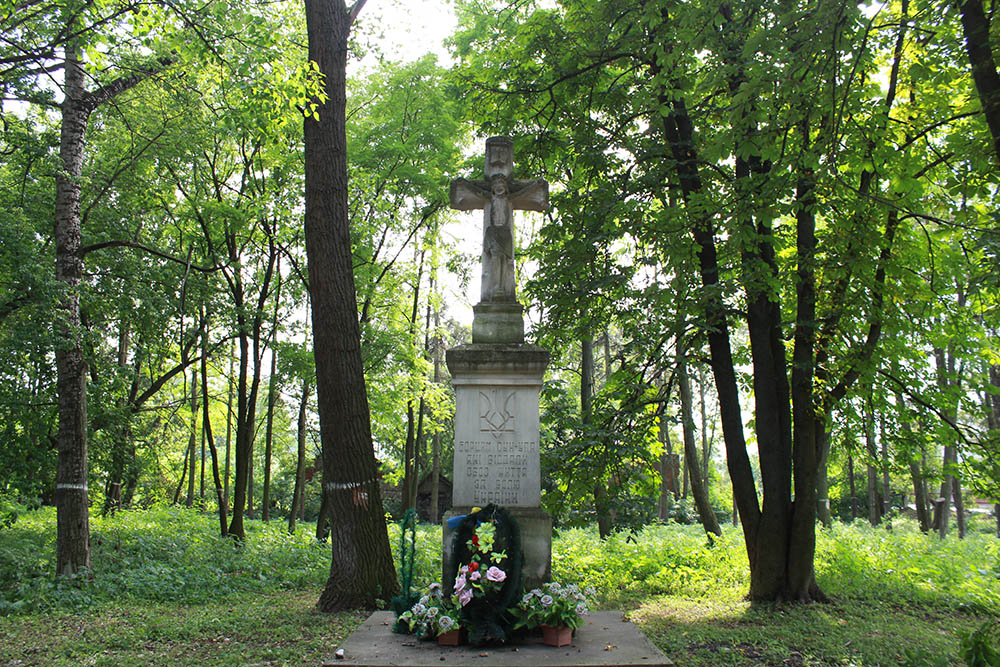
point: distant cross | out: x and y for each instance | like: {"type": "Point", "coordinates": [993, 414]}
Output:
{"type": "Point", "coordinates": [498, 195]}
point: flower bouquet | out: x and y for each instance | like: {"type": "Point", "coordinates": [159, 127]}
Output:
{"type": "Point", "coordinates": [487, 556]}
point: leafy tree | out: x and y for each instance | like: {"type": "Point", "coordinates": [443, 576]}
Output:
{"type": "Point", "coordinates": [362, 570]}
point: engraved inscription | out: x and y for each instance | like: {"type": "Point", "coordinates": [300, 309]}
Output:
{"type": "Point", "coordinates": [496, 412]}
{"type": "Point", "coordinates": [498, 471]}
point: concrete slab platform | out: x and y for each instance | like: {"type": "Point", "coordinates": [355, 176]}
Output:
{"type": "Point", "coordinates": [606, 640]}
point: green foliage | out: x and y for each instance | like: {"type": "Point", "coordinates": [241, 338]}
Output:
{"type": "Point", "coordinates": [158, 554]}
{"type": "Point", "coordinates": [906, 566]}
{"type": "Point", "coordinates": [981, 648]}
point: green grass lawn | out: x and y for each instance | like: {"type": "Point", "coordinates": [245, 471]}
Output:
{"type": "Point", "coordinates": [167, 591]}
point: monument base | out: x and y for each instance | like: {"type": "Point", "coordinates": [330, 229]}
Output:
{"type": "Point", "coordinates": [498, 322]}
{"type": "Point", "coordinates": [536, 543]}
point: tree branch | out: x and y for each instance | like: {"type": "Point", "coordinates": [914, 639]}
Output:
{"type": "Point", "coordinates": [152, 251]}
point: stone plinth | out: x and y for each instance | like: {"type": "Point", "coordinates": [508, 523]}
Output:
{"type": "Point", "coordinates": [500, 322]}
{"type": "Point", "coordinates": [605, 639]}
{"type": "Point", "coordinates": [497, 445]}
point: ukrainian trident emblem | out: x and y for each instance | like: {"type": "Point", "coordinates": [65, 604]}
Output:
{"type": "Point", "coordinates": [496, 411]}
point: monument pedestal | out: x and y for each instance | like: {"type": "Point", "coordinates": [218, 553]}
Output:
{"type": "Point", "coordinates": [497, 445]}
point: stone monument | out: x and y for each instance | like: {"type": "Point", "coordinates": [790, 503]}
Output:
{"type": "Point", "coordinates": [498, 378]}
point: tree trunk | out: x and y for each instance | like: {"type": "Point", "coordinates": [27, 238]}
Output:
{"type": "Point", "coordinates": [248, 387]}
{"type": "Point", "coordinates": [822, 478]}
{"type": "Point", "coordinates": [706, 445]}
{"type": "Point", "coordinates": [192, 439]}
{"type": "Point", "coordinates": [959, 506]}
{"type": "Point", "coordinates": [299, 494]}
{"type": "Point", "coordinates": [698, 487]}
{"type": "Point", "coordinates": [604, 524]}
{"type": "Point", "coordinates": [362, 570]}
{"type": "Point", "coordinates": [852, 487]}
{"type": "Point", "coordinates": [916, 474]}
{"type": "Point", "coordinates": [976, 29]}
{"type": "Point", "coordinates": [886, 487]}
{"type": "Point", "coordinates": [72, 500]}
{"type": "Point", "coordinates": [272, 399]}
{"type": "Point", "coordinates": [435, 509]}
{"type": "Point", "coordinates": [410, 469]}
{"type": "Point", "coordinates": [668, 470]}
{"type": "Point", "coordinates": [184, 470]}
{"type": "Point", "coordinates": [874, 506]}
{"type": "Point", "coordinates": [206, 422]}
{"type": "Point", "coordinates": [229, 423]}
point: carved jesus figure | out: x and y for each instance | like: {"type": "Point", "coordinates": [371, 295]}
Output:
{"type": "Point", "coordinates": [498, 195]}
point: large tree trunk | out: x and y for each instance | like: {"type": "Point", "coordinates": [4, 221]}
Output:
{"type": "Point", "coordinates": [362, 571]}
{"type": "Point", "coordinates": [699, 488]}
{"type": "Point", "coordinates": [72, 500]}
{"type": "Point", "coordinates": [976, 29]}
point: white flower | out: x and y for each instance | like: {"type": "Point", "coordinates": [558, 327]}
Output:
{"type": "Point", "coordinates": [433, 611]}
{"type": "Point", "coordinates": [589, 591]}
{"type": "Point", "coordinates": [419, 609]}
{"type": "Point", "coordinates": [537, 592]}
{"type": "Point", "coordinates": [446, 623]}
{"type": "Point", "coordinates": [527, 598]}
{"type": "Point", "coordinates": [581, 608]}
{"type": "Point", "coordinates": [573, 588]}
{"type": "Point", "coordinates": [554, 586]}
{"type": "Point", "coordinates": [434, 588]}
{"type": "Point", "coordinates": [547, 600]}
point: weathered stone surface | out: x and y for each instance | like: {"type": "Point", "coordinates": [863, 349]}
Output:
{"type": "Point", "coordinates": [605, 640]}
{"type": "Point", "coordinates": [501, 323]}
{"type": "Point", "coordinates": [496, 425]}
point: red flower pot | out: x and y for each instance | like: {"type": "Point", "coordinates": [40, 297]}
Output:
{"type": "Point", "coordinates": [450, 638]}
{"type": "Point", "coordinates": [557, 635]}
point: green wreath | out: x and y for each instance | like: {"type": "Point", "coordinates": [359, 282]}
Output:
{"type": "Point", "coordinates": [488, 618]}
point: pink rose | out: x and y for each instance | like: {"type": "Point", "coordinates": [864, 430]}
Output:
{"type": "Point", "coordinates": [475, 576]}
{"type": "Point", "coordinates": [459, 583]}
{"type": "Point", "coordinates": [464, 597]}
{"type": "Point", "coordinates": [496, 574]}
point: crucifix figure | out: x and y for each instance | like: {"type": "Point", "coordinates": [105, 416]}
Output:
{"type": "Point", "coordinates": [498, 195]}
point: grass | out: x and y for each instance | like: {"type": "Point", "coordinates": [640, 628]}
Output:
{"type": "Point", "coordinates": [271, 628]}
{"type": "Point", "coordinates": [167, 590]}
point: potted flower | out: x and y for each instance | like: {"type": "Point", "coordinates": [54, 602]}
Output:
{"type": "Point", "coordinates": [558, 610]}
{"type": "Point", "coordinates": [434, 615]}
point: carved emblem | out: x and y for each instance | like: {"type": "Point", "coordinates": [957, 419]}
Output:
{"type": "Point", "coordinates": [496, 412]}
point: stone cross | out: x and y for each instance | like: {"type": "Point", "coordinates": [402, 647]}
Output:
{"type": "Point", "coordinates": [498, 195]}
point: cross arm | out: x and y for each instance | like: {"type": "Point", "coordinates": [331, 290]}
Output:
{"type": "Point", "coordinates": [530, 195]}
{"type": "Point", "coordinates": [466, 195]}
